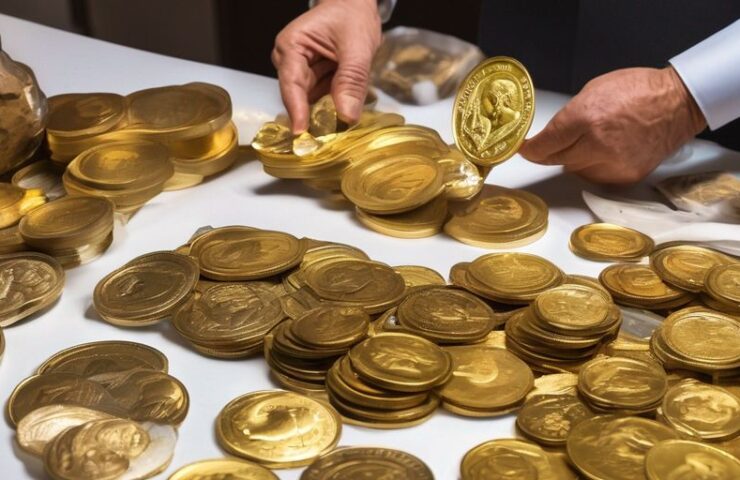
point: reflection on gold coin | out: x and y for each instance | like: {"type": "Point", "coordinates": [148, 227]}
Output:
{"type": "Point", "coordinates": [702, 411]}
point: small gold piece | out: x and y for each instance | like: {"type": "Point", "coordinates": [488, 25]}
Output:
{"type": "Point", "coordinates": [610, 243]}
{"type": "Point", "coordinates": [223, 468]}
{"type": "Point", "coordinates": [640, 286]}
{"type": "Point", "coordinates": [352, 463]}
{"type": "Point", "coordinates": [548, 419]}
{"type": "Point", "coordinates": [331, 327]}
{"type": "Point", "coordinates": [678, 459]}
{"type": "Point", "coordinates": [686, 266]}
{"type": "Point", "coordinates": [278, 429]}
{"type": "Point", "coordinates": [15, 202]}
{"type": "Point", "coordinates": [723, 285]}
{"type": "Point", "coordinates": [572, 308]}
{"type": "Point", "coordinates": [29, 282]}
{"type": "Point", "coordinates": [146, 290]}
{"type": "Point", "coordinates": [493, 111]}
{"type": "Point", "coordinates": [420, 222]}
{"type": "Point", "coordinates": [520, 459]}
{"type": "Point", "coordinates": [702, 411]}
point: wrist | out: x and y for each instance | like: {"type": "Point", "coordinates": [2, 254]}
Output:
{"type": "Point", "coordinates": [695, 116]}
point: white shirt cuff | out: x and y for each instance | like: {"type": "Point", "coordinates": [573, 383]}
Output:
{"type": "Point", "coordinates": [711, 72]}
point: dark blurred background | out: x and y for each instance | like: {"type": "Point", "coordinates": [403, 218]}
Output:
{"type": "Point", "coordinates": [234, 33]}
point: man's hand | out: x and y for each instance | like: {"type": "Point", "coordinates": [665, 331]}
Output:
{"type": "Point", "coordinates": [328, 48]}
{"type": "Point", "coordinates": [620, 126]}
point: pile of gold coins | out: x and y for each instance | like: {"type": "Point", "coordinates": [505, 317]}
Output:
{"type": "Point", "coordinates": [100, 410]}
{"type": "Point", "coordinates": [404, 181]}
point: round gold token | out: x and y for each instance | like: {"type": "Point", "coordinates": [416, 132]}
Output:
{"type": "Point", "coordinates": [703, 334]}
{"type": "Point", "coordinates": [419, 276]}
{"type": "Point", "coordinates": [424, 221]}
{"type": "Point", "coordinates": [148, 395]}
{"type": "Point", "coordinates": [622, 383]}
{"type": "Point", "coordinates": [548, 419]}
{"type": "Point", "coordinates": [99, 358]}
{"type": "Point", "coordinates": [29, 282]}
{"type": "Point", "coordinates": [514, 277]}
{"type": "Point", "coordinates": [400, 362]}
{"type": "Point", "coordinates": [609, 242]}
{"type": "Point", "coordinates": [572, 307]}
{"type": "Point", "coordinates": [499, 218]}
{"type": "Point", "coordinates": [244, 253]}
{"type": "Point", "coordinates": [605, 447]}
{"type": "Point", "coordinates": [723, 284]}
{"type": "Point", "coordinates": [702, 411]}
{"type": "Point", "coordinates": [515, 458]}
{"type": "Point", "coordinates": [446, 315]}
{"type": "Point", "coordinates": [486, 379]}
{"type": "Point", "coordinates": [331, 326]}
{"type": "Point", "coordinates": [278, 429]}
{"type": "Point", "coordinates": [83, 114]}
{"type": "Point", "coordinates": [223, 468]}
{"type": "Point", "coordinates": [353, 463]}
{"type": "Point", "coordinates": [686, 266]}
{"type": "Point", "coordinates": [493, 111]}
{"type": "Point", "coordinates": [393, 184]}
{"type": "Point", "coordinates": [684, 459]}
{"type": "Point", "coordinates": [146, 290]}
{"type": "Point", "coordinates": [640, 286]}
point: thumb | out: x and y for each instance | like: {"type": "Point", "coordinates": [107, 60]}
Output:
{"type": "Point", "coordinates": [561, 132]}
{"type": "Point", "coordinates": [349, 86]}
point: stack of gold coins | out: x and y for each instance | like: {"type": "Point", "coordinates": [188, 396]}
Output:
{"type": "Point", "coordinates": [640, 286]}
{"type": "Point", "coordinates": [686, 266]}
{"type": "Point", "coordinates": [508, 278]}
{"type": "Point", "coordinates": [15, 202]}
{"type": "Point", "coordinates": [127, 173]}
{"type": "Point", "coordinates": [356, 462]}
{"type": "Point", "coordinates": [386, 381]}
{"type": "Point", "coordinates": [102, 396]}
{"type": "Point", "coordinates": [700, 340]}
{"type": "Point", "coordinates": [722, 288]}
{"type": "Point", "coordinates": [31, 282]}
{"type": "Point", "coordinates": [622, 385]}
{"type": "Point", "coordinates": [254, 427]}
{"type": "Point", "coordinates": [564, 327]}
{"type": "Point", "coordinates": [610, 243]}
{"type": "Point", "coordinates": [74, 230]}
{"type": "Point", "coordinates": [521, 459]}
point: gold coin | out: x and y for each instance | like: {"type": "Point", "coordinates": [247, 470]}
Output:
{"type": "Point", "coordinates": [485, 378]}
{"type": "Point", "coordinates": [702, 411]}
{"type": "Point", "coordinates": [493, 111]}
{"type": "Point", "coordinates": [446, 315]}
{"type": "Point", "coordinates": [419, 276]}
{"type": "Point", "coordinates": [30, 282]}
{"type": "Point", "coordinates": [244, 253]}
{"type": "Point", "coordinates": [607, 447]}
{"type": "Point", "coordinates": [393, 184]}
{"type": "Point", "coordinates": [705, 335]}
{"type": "Point", "coordinates": [352, 463]}
{"type": "Point", "coordinates": [146, 290]}
{"type": "Point", "coordinates": [82, 114]}
{"type": "Point", "coordinates": [59, 388]}
{"type": "Point", "coordinates": [609, 242]}
{"type": "Point", "coordinates": [424, 221]}
{"type": "Point", "coordinates": [686, 266]}
{"type": "Point", "coordinates": [277, 428]}
{"type": "Point", "coordinates": [499, 218]}
{"type": "Point", "coordinates": [461, 177]}
{"type": "Point", "coordinates": [618, 382]}
{"type": "Point", "coordinates": [723, 284]}
{"type": "Point", "coordinates": [223, 468]}
{"type": "Point", "coordinates": [331, 326]}
{"type": "Point", "coordinates": [555, 384]}
{"type": "Point", "coordinates": [572, 307]}
{"type": "Point", "coordinates": [99, 358]}
{"type": "Point", "coordinates": [15, 202]}
{"type": "Point", "coordinates": [513, 458]}
{"type": "Point", "coordinates": [68, 222]}
{"type": "Point", "coordinates": [679, 459]}
{"type": "Point", "coordinates": [547, 419]}
{"type": "Point", "coordinates": [400, 362]}
{"type": "Point", "coordinates": [635, 285]}
{"type": "Point", "coordinates": [515, 277]}
{"type": "Point", "coordinates": [385, 419]}
{"type": "Point", "coordinates": [39, 427]}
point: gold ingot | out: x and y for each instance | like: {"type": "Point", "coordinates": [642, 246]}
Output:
{"type": "Point", "coordinates": [572, 308]}
{"type": "Point", "coordinates": [610, 243]}
{"type": "Point", "coordinates": [419, 276]}
{"type": "Point", "coordinates": [446, 315]}
{"type": "Point", "coordinates": [677, 459]}
{"type": "Point", "coordinates": [461, 177]}
{"type": "Point", "coordinates": [493, 111]}
{"type": "Point", "coordinates": [723, 285]}
{"type": "Point", "coordinates": [394, 184]}
{"type": "Point", "coordinates": [41, 426]}
{"type": "Point", "coordinates": [346, 463]}
{"type": "Point", "coordinates": [75, 115]}
{"type": "Point", "coordinates": [520, 459]}
{"type": "Point", "coordinates": [703, 335]}
{"type": "Point", "coordinates": [618, 383]}
{"type": "Point", "coordinates": [702, 411]}
{"type": "Point", "coordinates": [99, 358]}
{"type": "Point", "coordinates": [605, 447]}
{"type": "Point", "coordinates": [514, 277]}
{"type": "Point", "coordinates": [548, 419]}
{"type": "Point", "coordinates": [485, 378]}
{"type": "Point", "coordinates": [640, 286]}
{"type": "Point", "coordinates": [278, 429]}
{"type": "Point", "coordinates": [232, 468]}
{"type": "Point", "coordinates": [331, 327]}
{"type": "Point", "coordinates": [30, 282]}
{"type": "Point", "coordinates": [555, 384]}
{"type": "Point", "coordinates": [146, 290]}
{"type": "Point", "coordinates": [401, 362]}
{"type": "Point", "coordinates": [244, 253]}
{"type": "Point", "coordinates": [42, 175]}
{"type": "Point", "coordinates": [686, 266]}
{"type": "Point", "coordinates": [499, 218]}
{"type": "Point", "coordinates": [421, 222]}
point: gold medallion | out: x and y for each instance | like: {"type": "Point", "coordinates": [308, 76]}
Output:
{"type": "Point", "coordinates": [572, 307]}
{"type": "Point", "coordinates": [29, 282]}
{"type": "Point", "coordinates": [548, 419]}
{"type": "Point", "coordinates": [514, 277]}
{"type": "Point", "coordinates": [614, 383]}
{"type": "Point", "coordinates": [686, 266]}
{"type": "Point", "coordinates": [703, 411]}
{"type": "Point", "coordinates": [610, 243]}
{"type": "Point", "coordinates": [331, 326]}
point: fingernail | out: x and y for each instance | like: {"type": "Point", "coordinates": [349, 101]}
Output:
{"type": "Point", "coordinates": [350, 108]}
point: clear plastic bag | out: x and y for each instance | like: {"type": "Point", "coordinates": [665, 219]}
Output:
{"type": "Point", "coordinates": [419, 66]}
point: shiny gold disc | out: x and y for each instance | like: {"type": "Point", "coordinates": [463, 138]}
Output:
{"type": "Point", "coordinates": [702, 411]}
{"type": "Point", "coordinates": [619, 382]}
{"type": "Point", "coordinates": [81, 114]}
{"type": "Point", "coordinates": [686, 266]}
{"type": "Point", "coordinates": [223, 468]}
{"type": "Point", "coordinates": [29, 282]}
{"type": "Point", "coordinates": [352, 463]}
{"type": "Point", "coordinates": [99, 358]}
{"type": "Point", "coordinates": [548, 419]}
{"type": "Point", "coordinates": [723, 284]}
{"type": "Point", "coordinates": [572, 307]}
{"type": "Point", "coordinates": [515, 276]}
{"type": "Point", "coordinates": [520, 459]}
{"type": "Point", "coordinates": [684, 459]}
{"type": "Point", "coordinates": [609, 242]}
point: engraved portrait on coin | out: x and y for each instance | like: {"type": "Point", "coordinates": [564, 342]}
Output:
{"type": "Point", "coordinates": [493, 112]}
{"type": "Point", "coordinates": [24, 280]}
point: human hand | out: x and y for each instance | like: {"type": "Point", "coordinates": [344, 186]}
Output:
{"type": "Point", "coordinates": [620, 126]}
{"type": "Point", "coordinates": [328, 48]}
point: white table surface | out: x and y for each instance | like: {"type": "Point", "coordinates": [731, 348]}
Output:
{"type": "Point", "coordinates": [245, 195]}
